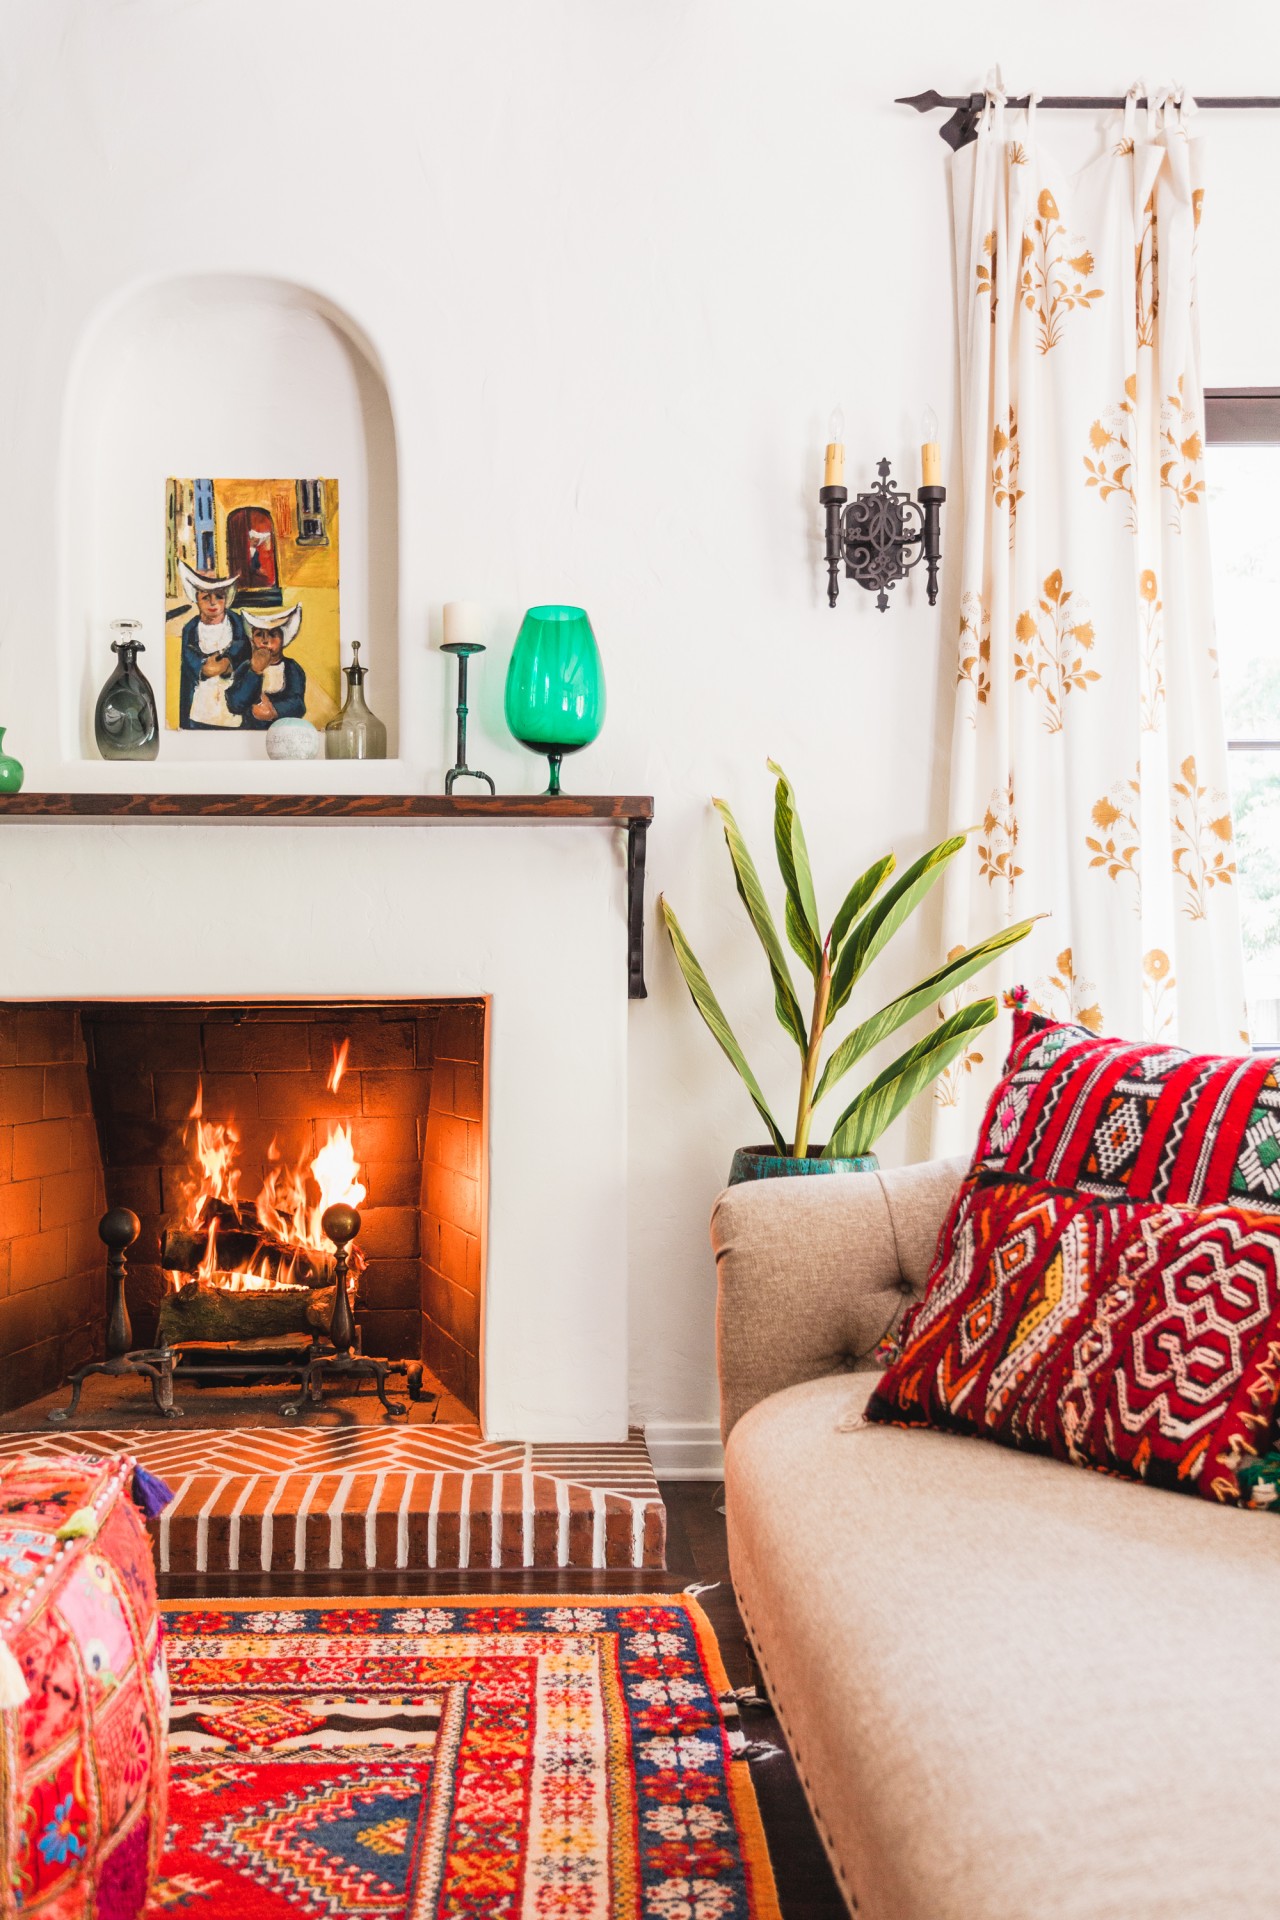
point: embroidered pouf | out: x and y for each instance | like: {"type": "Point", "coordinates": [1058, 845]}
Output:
{"type": "Point", "coordinates": [83, 1689]}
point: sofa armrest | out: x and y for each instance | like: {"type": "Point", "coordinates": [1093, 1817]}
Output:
{"type": "Point", "coordinates": [812, 1273]}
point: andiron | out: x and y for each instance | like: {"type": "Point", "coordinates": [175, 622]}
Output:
{"type": "Point", "coordinates": [336, 1356]}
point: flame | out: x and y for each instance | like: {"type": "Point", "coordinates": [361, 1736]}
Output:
{"type": "Point", "coordinates": [213, 1146]}
{"type": "Point", "coordinates": [286, 1208]}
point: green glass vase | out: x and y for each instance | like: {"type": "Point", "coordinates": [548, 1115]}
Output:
{"type": "Point", "coordinates": [10, 770]}
{"type": "Point", "coordinates": [555, 685]}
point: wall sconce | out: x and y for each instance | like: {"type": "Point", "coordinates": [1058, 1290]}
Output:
{"type": "Point", "coordinates": [874, 533]}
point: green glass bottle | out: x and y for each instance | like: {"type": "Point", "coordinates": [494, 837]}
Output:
{"type": "Point", "coordinates": [126, 724]}
{"type": "Point", "coordinates": [11, 774]}
{"type": "Point", "coordinates": [555, 685]}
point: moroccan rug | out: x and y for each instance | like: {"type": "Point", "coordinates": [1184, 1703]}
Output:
{"type": "Point", "coordinates": [511, 1759]}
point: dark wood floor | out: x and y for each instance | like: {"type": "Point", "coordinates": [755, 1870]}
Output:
{"type": "Point", "coordinates": [696, 1552]}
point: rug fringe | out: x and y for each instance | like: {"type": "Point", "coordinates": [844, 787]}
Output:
{"type": "Point", "coordinates": [697, 1588]}
{"type": "Point", "coordinates": [744, 1697]}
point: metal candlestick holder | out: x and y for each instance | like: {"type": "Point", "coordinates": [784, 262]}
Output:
{"type": "Point", "coordinates": [874, 535]}
{"type": "Point", "coordinates": [462, 650]}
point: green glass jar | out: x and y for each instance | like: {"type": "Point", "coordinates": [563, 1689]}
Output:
{"type": "Point", "coordinates": [11, 774]}
{"type": "Point", "coordinates": [555, 685]}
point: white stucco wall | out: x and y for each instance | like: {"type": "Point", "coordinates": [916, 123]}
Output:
{"type": "Point", "coordinates": [617, 263]}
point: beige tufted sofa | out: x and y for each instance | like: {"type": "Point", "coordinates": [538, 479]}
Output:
{"type": "Point", "coordinates": [1014, 1690]}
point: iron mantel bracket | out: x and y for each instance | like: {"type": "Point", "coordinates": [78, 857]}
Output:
{"type": "Point", "coordinates": [637, 832]}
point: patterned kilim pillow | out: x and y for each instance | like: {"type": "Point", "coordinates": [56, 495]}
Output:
{"type": "Point", "coordinates": [1134, 1122]}
{"type": "Point", "coordinates": [1143, 1338]}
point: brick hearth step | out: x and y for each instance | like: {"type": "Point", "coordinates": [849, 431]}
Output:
{"type": "Point", "coordinates": [258, 1498]}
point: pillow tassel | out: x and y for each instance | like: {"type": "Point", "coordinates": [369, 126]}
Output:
{"type": "Point", "coordinates": [150, 1493]}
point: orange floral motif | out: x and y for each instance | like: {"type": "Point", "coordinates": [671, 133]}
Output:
{"type": "Point", "coordinates": [1159, 993]}
{"type": "Point", "coordinates": [1181, 451]}
{"type": "Point", "coordinates": [1054, 270]}
{"type": "Point", "coordinates": [1006, 456]}
{"type": "Point", "coordinates": [996, 851]}
{"type": "Point", "coordinates": [1055, 639]}
{"type": "Point", "coordinates": [947, 1086]}
{"type": "Point", "coordinates": [1147, 276]}
{"type": "Point", "coordinates": [986, 275]}
{"type": "Point", "coordinates": [1111, 468]}
{"type": "Point", "coordinates": [975, 648]}
{"type": "Point", "coordinates": [1065, 995]}
{"type": "Point", "coordinates": [1152, 702]}
{"type": "Point", "coordinates": [1117, 845]}
{"type": "Point", "coordinates": [1202, 839]}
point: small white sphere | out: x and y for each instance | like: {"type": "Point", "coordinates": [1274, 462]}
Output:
{"type": "Point", "coordinates": [293, 740]}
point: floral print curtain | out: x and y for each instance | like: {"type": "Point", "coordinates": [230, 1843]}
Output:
{"type": "Point", "coordinates": [1088, 741]}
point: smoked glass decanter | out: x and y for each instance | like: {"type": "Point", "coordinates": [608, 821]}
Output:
{"type": "Point", "coordinates": [356, 733]}
{"type": "Point", "coordinates": [126, 725]}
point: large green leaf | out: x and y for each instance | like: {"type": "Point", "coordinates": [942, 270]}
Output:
{"type": "Point", "coordinates": [861, 893]}
{"type": "Point", "coordinates": [709, 1007]}
{"type": "Point", "coordinates": [882, 1099]}
{"type": "Point", "coordinates": [915, 1000]}
{"type": "Point", "coordinates": [751, 893]}
{"type": "Point", "coordinates": [881, 921]}
{"type": "Point", "coordinates": [793, 864]}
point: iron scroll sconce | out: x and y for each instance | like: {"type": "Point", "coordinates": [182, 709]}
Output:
{"type": "Point", "coordinates": [874, 534]}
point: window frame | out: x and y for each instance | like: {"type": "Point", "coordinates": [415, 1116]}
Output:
{"type": "Point", "coordinates": [1244, 417]}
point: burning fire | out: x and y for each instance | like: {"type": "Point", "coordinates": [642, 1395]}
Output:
{"type": "Point", "coordinates": [285, 1219]}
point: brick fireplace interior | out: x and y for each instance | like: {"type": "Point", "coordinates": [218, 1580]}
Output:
{"type": "Point", "coordinates": [95, 1100]}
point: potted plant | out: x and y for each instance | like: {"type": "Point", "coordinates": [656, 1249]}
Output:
{"type": "Point", "coordinates": [869, 916]}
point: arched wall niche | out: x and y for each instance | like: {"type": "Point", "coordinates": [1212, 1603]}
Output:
{"type": "Point", "coordinates": [224, 376]}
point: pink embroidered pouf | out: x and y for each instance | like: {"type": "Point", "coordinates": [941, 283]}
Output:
{"type": "Point", "coordinates": [83, 1691]}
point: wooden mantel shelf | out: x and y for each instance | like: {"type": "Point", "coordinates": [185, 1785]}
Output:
{"type": "Point", "coordinates": [632, 811]}
{"type": "Point", "coordinates": [622, 808]}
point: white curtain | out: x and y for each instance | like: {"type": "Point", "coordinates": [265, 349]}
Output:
{"type": "Point", "coordinates": [1088, 742]}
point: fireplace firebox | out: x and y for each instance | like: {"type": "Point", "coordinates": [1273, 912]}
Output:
{"type": "Point", "coordinates": [238, 1134]}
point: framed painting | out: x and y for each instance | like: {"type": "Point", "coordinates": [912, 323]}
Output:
{"type": "Point", "coordinates": [251, 603]}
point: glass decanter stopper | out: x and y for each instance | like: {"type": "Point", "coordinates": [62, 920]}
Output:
{"type": "Point", "coordinates": [126, 725]}
{"type": "Point", "coordinates": [356, 733]}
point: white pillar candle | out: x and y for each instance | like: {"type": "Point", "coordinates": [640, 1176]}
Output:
{"type": "Point", "coordinates": [463, 623]}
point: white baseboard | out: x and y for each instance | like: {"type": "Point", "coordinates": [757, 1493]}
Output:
{"type": "Point", "coordinates": [684, 1451]}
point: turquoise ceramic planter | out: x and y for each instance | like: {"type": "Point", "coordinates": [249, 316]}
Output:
{"type": "Point", "coordinates": [763, 1163]}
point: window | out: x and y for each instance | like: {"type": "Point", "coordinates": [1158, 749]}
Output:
{"type": "Point", "coordinates": [1243, 495]}
{"type": "Point", "coordinates": [311, 522]}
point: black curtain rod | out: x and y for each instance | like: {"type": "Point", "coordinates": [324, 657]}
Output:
{"type": "Point", "coordinates": [962, 127]}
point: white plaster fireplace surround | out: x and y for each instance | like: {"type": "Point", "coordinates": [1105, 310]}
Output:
{"type": "Point", "coordinates": [333, 910]}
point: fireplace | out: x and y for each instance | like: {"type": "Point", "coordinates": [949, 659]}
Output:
{"type": "Point", "coordinates": [228, 1128]}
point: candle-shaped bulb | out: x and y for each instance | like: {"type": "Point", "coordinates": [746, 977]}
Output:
{"type": "Point", "coordinates": [833, 472]}
{"type": "Point", "coordinates": [930, 451]}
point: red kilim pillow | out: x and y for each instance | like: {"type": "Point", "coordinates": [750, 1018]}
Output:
{"type": "Point", "coordinates": [1134, 1122]}
{"type": "Point", "coordinates": [1142, 1338]}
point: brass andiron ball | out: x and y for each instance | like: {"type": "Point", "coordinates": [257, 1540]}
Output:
{"type": "Point", "coordinates": [341, 1223]}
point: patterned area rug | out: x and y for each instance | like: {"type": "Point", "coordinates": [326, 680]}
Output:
{"type": "Point", "coordinates": [516, 1759]}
